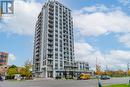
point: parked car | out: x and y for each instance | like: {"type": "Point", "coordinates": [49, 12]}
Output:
{"type": "Point", "coordinates": [1, 79]}
{"type": "Point", "coordinates": [104, 77]}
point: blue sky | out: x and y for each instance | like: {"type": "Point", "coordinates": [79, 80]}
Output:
{"type": "Point", "coordinates": [101, 30]}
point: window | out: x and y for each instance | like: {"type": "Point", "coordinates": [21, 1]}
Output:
{"type": "Point", "coordinates": [56, 35]}
{"type": "Point", "coordinates": [56, 31]}
{"type": "Point", "coordinates": [56, 65]}
{"type": "Point", "coordinates": [56, 43]}
{"type": "Point", "coordinates": [56, 49]}
{"type": "Point", "coordinates": [56, 25]}
{"type": "Point", "coordinates": [56, 57]}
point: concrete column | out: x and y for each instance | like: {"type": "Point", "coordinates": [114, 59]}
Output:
{"type": "Point", "coordinates": [46, 73]}
{"type": "Point", "coordinates": [54, 73]}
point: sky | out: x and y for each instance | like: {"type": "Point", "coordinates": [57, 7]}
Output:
{"type": "Point", "coordinates": [101, 31]}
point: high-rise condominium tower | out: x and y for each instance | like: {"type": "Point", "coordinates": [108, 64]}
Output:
{"type": "Point", "coordinates": [54, 41]}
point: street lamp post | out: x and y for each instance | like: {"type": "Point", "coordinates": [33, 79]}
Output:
{"type": "Point", "coordinates": [128, 72]}
{"type": "Point", "coordinates": [99, 83]}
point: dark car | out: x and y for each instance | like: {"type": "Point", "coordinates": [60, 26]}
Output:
{"type": "Point", "coordinates": [1, 79]}
{"type": "Point", "coordinates": [104, 77]}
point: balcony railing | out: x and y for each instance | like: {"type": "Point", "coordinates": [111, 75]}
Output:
{"type": "Point", "coordinates": [50, 34]}
{"type": "Point", "coordinates": [50, 43]}
{"type": "Point", "coordinates": [50, 25]}
{"type": "Point", "coordinates": [50, 30]}
{"type": "Point", "coordinates": [50, 39]}
{"type": "Point", "coordinates": [51, 5]}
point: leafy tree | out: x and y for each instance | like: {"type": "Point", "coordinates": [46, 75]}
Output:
{"type": "Point", "coordinates": [98, 70]}
{"type": "Point", "coordinates": [12, 71]}
{"type": "Point", "coordinates": [28, 64]}
{"type": "Point", "coordinates": [128, 72]}
{"type": "Point", "coordinates": [13, 66]}
{"type": "Point", "coordinates": [22, 71]}
{"type": "Point", "coordinates": [109, 73]}
{"type": "Point", "coordinates": [25, 71]}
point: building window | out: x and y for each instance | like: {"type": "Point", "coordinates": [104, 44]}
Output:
{"type": "Point", "coordinates": [56, 49]}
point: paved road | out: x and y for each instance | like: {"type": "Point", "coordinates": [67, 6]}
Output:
{"type": "Point", "coordinates": [61, 83]}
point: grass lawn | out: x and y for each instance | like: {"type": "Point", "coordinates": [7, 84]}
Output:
{"type": "Point", "coordinates": [119, 85]}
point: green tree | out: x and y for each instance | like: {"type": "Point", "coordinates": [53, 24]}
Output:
{"type": "Point", "coordinates": [23, 71]}
{"type": "Point", "coordinates": [13, 66]}
{"type": "Point", "coordinates": [12, 71]}
{"type": "Point", "coordinates": [26, 70]}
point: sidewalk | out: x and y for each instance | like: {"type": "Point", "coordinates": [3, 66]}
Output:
{"type": "Point", "coordinates": [43, 79]}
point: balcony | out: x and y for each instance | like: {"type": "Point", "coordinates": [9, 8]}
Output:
{"type": "Point", "coordinates": [38, 28]}
{"type": "Point", "coordinates": [50, 30]}
{"type": "Point", "coordinates": [37, 50]}
{"type": "Point", "coordinates": [50, 44]}
{"type": "Point", "coordinates": [50, 63]}
{"type": "Point", "coordinates": [50, 58]}
{"type": "Point", "coordinates": [50, 34]}
{"type": "Point", "coordinates": [51, 20]}
{"type": "Point", "coordinates": [51, 8]}
{"type": "Point", "coordinates": [50, 25]}
{"type": "Point", "coordinates": [37, 54]}
{"type": "Point", "coordinates": [37, 43]}
{"type": "Point", "coordinates": [50, 53]}
{"type": "Point", "coordinates": [50, 39]}
{"type": "Point", "coordinates": [67, 66]}
{"type": "Point", "coordinates": [37, 61]}
{"type": "Point", "coordinates": [40, 15]}
{"type": "Point", "coordinates": [66, 33]}
{"type": "Point", "coordinates": [37, 39]}
{"type": "Point", "coordinates": [37, 47]}
{"type": "Point", "coordinates": [51, 16]}
{"type": "Point", "coordinates": [50, 49]}
{"type": "Point", "coordinates": [38, 35]}
{"type": "Point", "coordinates": [51, 13]}
{"type": "Point", "coordinates": [51, 5]}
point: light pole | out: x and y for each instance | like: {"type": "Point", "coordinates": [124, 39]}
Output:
{"type": "Point", "coordinates": [99, 82]}
{"type": "Point", "coordinates": [98, 69]}
{"type": "Point", "coordinates": [128, 72]}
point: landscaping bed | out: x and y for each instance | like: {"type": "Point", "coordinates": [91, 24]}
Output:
{"type": "Point", "coordinates": [118, 85]}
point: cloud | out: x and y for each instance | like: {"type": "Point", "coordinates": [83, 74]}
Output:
{"type": "Point", "coordinates": [118, 59]}
{"type": "Point", "coordinates": [23, 20]}
{"type": "Point", "coordinates": [99, 22]}
{"type": "Point", "coordinates": [114, 60]}
{"type": "Point", "coordinates": [12, 57]}
{"type": "Point", "coordinates": [97, 8]}
{"type": "Point", "coordinates": [124, 2]}
{"type": "Point", "coordinates": [82, 49]}
{"type": "Point", "coordinates": [125, 39]}
{"type": "Point", "coordinates": [86, 52]}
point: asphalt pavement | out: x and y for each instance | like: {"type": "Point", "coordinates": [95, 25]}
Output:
{"type": "Point", "coordinates": [62, 83]}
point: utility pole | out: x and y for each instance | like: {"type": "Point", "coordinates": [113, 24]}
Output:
{"type": "Point", "coordinates": [127, 69]}
{"type": "Point", "coordinates": [97, 70]}
{"type": "Point", "coordinates": [96, 65]}
{"type": "Point", "coordinates": [128, 72]}
{"type": "Point", "coordinates": [106, 70]}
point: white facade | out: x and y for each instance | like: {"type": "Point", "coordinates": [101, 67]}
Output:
{"type": "Point", "coordinates": [82, 66]}
{"type": "Point", "coordinates": [54, 41]}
